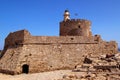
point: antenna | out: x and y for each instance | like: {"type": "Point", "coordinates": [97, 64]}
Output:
{"type": "Point", "coordinates": [76, 14]}
{"type": "Point", "coordinates": [67, 9]}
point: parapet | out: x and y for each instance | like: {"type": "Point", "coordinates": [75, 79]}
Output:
{"type": "Point", "coordinates": [46, 40]}
{"type": "Point", "coordinates": [80, 21]}
{"type": "Point", "coordinates": [15, 38]}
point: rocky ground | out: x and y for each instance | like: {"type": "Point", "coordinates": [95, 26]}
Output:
{"type": "Point", "coordinates": [104, 67]}
{"type": "Point", "coordinates": [53, 75]}
{"type": "Point", "coordinates": [61, 75]}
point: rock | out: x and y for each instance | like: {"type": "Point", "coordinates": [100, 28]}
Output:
{"type": "Point", "coordinates": [70, 76]}
{"type": "Point", "coordinates": [83, 79]}
{"type": "Point", "coordinates": [93, 75]}
{"type": "Point", "coordinates": [87, 60]}
{"type": "Point", "coordinates": [100, 78]}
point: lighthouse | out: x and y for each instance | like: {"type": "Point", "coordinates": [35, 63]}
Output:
{"type": "Point", "coordinates": [66, 15]}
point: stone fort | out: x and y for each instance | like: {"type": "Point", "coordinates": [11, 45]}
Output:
{"type": "Point", "coordinates": [24, 53]}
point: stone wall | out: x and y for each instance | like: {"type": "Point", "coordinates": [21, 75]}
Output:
{"type": "Point", "coordinates": [75, 27]}
{"type": "Point", "coordinates": [9, 61]}
{"type": "Point", "coordinates": [54, 56]}
{"type": "Point", "coordinates": [15, 38]}
{"type": "Point", "coordinates": [43, 53]}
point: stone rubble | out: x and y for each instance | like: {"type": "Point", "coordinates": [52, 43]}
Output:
{"type": "Point", "coordinates": [101, 68]}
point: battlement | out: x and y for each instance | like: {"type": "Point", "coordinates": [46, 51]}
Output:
{"type": "Point", "coordinates": [83, 21]}
{"type": "Point", "coordinates": [17, 37]}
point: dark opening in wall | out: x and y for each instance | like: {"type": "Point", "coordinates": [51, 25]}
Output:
{"type": "Point", "coordinates": [30, 54]}
{"type": "Point", "coordinates": [25, 68]}
{"type": "Point", "coordinates": [16, 43]}
{"type": "Point", "coordinates": [72, 38]}
{"type": "Point", "coordinates": [79, 26]}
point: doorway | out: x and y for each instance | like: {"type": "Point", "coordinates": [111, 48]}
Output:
{"type": "Point", "coordinates": [25, 68]}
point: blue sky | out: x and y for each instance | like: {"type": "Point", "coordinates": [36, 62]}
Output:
{"type": "Point", "coordinates": [42, 17]}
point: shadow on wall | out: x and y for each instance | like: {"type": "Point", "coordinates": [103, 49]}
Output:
{"type": "Point", "coordinates": [119, 49]}
{"type": "Point", "coordinates": [0, 52]}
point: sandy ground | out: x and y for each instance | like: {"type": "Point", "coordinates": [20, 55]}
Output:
{"type": "Point", "coordinates": [53, 75]}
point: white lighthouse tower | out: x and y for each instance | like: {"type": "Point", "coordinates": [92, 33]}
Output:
{"type": "Point", "coordinates": [66, 15]}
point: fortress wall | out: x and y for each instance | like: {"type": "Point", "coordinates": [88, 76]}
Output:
{"type": "Point", "coordinates": [9, 60]}
{"type": "Point", "coordinates": [58, 56]}
{"type": "Point", "coordinates": [15, 38]}
{"type": "Point", "coordinates": [46, 57]}
{"type": "Point", "coordinates": [44, 53]}
{"type": "Point", "coordinates": [54, 56]}
{"type": "Point", "coordinates": [61, 39]}
{"type": "Point", "coordinates": [108, 47]}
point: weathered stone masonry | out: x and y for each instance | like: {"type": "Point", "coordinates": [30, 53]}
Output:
{"type": "Point", "coordinates": [24, 53]}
